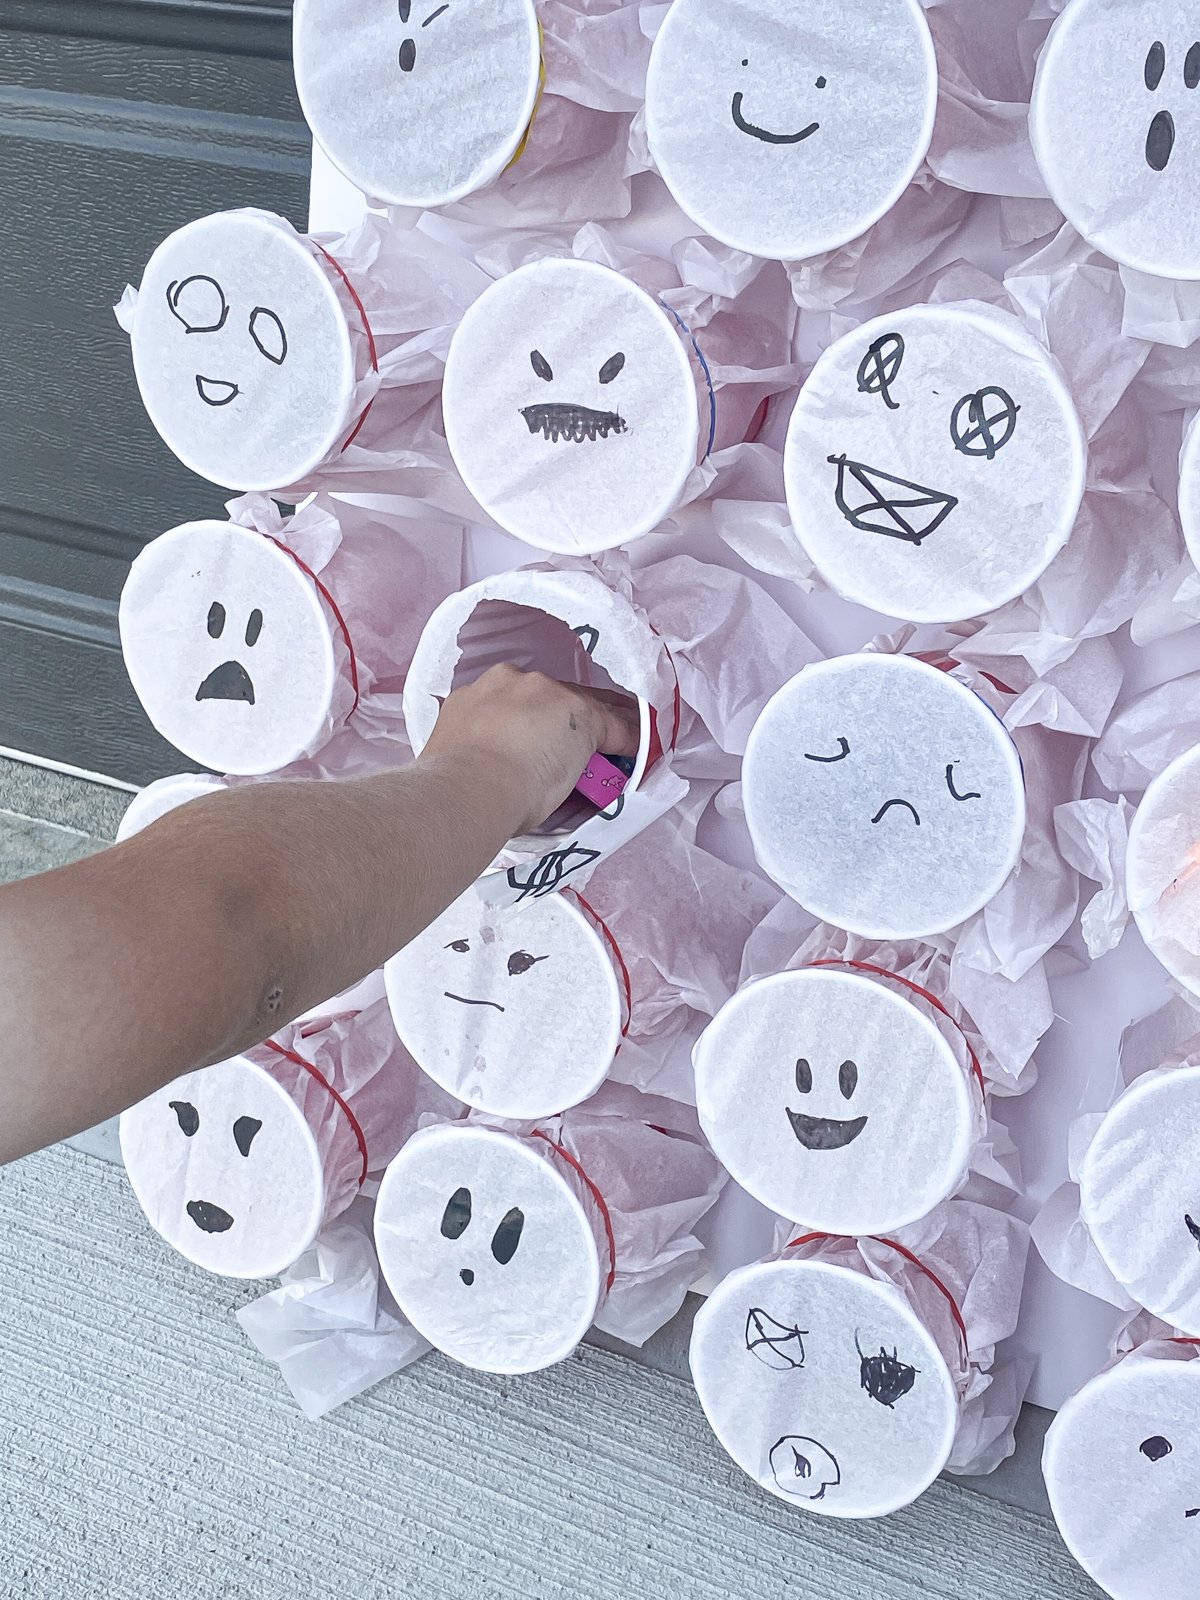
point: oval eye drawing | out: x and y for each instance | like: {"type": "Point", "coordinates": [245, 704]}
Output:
{"type": "Point", "coordinates": [186, 1115]}
{"type": "Point", "coordinates": [541, 366]}
{"type": "Point", "coordinates": [848, 1079]}
{"type": "Point", "coordinates": [460, 945]}
{"type": "Point", "coordinates": [982, 423]}
{"type": "Point", "coordinates": [612, 367]}
{"type": "Point", "coordinates": [843, 752]}
{"type": "Point", "coordinates": [1156, 64]}
{"type": "Point", "coordinates": [1191, 67]}
{"type": "Point", "coordinates": [508, 1236]}
{"type": "Point", "coordinates": [244, 1130]}
{"type": "Point", "coordinates": [254, 623]}
{"type": "Point", "coordinates": [521, 961]}
{"type": "Point", "coordinates": [885, 1377]}
{"type": "Point", "coordinates": [1155, 1448]}
{"type": "Point", "coordinates": [457, 1215]}
{"type": "Point", "coordinates": [198, 303]}
{"type": "Point", "coordinates": [969, 794]}
{"type": "Point", "coordinates": [803, 1076]}
{"type": "Point", "coordinates": [216, 620]}
{"type": "Point", "coordinates": [268, 333]}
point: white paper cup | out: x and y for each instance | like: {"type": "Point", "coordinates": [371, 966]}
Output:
{"type": "Point", "coordinates": [786, 130]}
{"type": "Point", "coordinates": [883, 796]}
{"type": "Point", "coordinates": [835, 1100]}
{"type": "Point", "coordinates": [825, 1386]}
{"type": "Point", "coordinates": [1189, 488]}
{"type": "Point", "coordinates": [1162, 868]}
{"type": "Point", "coordinates": [418, 103]}
{"type": "Point", "coordinates": [571, 406]}
{"type": "Point", "coordinates": [492, 1246]}
{"type": "Point", "coordinates": [516, 1012]}
{"type": "Point", "coordinates": [1122, 1468]}
{"type": "Point", "coordinates": [247, 349]}
{"type": "Point", "coordinates": [1113, 122]}
{"type": "Point", "coordinates": [934, 463]}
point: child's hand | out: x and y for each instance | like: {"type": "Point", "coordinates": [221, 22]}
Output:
{"type": "Point", "coordinates": [535, 732]}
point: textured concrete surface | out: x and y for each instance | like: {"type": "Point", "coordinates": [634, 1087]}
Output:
{"type": "Point", "coordinates": [150, 1453]}
{"type": "Point", "coordinates": [70, 802]}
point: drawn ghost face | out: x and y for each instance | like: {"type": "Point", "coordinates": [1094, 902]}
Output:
{"type": "Point", "coordinates": [226, 1169]}
{"type": "Point", "coordinates": [824, 1387]}
{"type": "Point", "coordinates": [242, 351]}
{"type": "Point", "coordinates": [418, 102]}
{"type": "Point", "coordinates": [1122, 1467]}
{"type": "Point", "coordinates": [228, 648]}
{"type": "Point", "coordinates": [788, 130]}
{"type": "Point", "coordinates": [934, 463]}
{"type": "Point", "coordinates": [833, 1101]}
{"type": "Point", "coordinates": [486, 1249]}
{"type": "Point", "coordinates": [518, 1013]}
{"type": "Point", "coordinates": [1139, 1193]}
{"type": "Point", "coordinates": [1163, 869]}
{"type": "Point", "coordinates": [570, 406]}
{"type": "Point", "coordinates": [883, 796]}
{"type": "Point", "coordinates": [1115, 121]}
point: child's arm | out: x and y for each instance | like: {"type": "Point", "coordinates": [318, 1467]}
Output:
{"type": "Point", "coordinates": [213, 927]}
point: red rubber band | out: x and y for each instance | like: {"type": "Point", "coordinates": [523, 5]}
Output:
{"type": "Point", "coordinates": [948, 664]}
{"type": "Point", "coordinates": [596, 1196]}
{"type": "Point", "coordinates": [356, 1129]}
{"type": "Point", "coordinates": [616, 950]}
{"type": "Point", "coordinates": [333, 606]}
{"type": "Point", "coordinates": [807, 1238]}
{"type": "Point", "coordinates": [366, 322]}
{"type": "Point", "coordinates": [867, 966]}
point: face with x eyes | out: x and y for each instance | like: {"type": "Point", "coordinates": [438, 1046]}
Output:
{"type": "Point", "coordinates": [883, 796]}
{"type": "Point", "coordinates": [823, 1385]}
{"type": "Point", "coordinates": [517, 1012]}
{"type": "Point", "coordinates": [226, 1169]}
{"type": "Point", "coordinates": [934, 463]}
{"type": "Point", "coordinates": [570, 406]}
{"type": "Point", "coordinates": [486, 1249]}
{"type": "Point", "coordinates": [242, 351]}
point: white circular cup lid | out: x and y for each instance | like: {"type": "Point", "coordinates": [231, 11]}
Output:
{"type": "Point", "coordinates": [570, 406]}
{"type": "Point", "coordinates": [824, 1386]}
{"type": "Point", "coordinates": [229, 648]}
{"type": "Point", "coordinates": [1115, 123]}
{"type": "Point", "coordinates": [1162, 868]}
{"type": "Point", "coordinates": [226, 1169]}
{"type": "Point", "coordinates": [515, 1013]}
{"type": "Point", "coordinates": [421, 102]}
{"type": "Point", "coordinates": [834, 1101]}
{"type": "Point", "coordinates": [487, 1249]}
{"type": "Point", "coordinates": [1122, 1468]}
{"type": "Point", "coordinates": [242, 351]}
{"type": "Point", "coordinates": [934, 463]}
{"type": "Point", "coordinates": [165, 794]}
{"type": "Point", "coordinates": [883, 796]}
{"type": "Point", "coordinates": [786, 131]}
{"type": "Point", "coordinates": [1139, 1193]}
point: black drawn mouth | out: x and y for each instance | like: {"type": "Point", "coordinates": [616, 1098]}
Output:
{"type": "Point", "coordinates": [878, 502]}
{"type": "Point", "coordinates": [803, 1468]}
{"type": "Point", "coordinates": [905, 805]}
{"type": "Point", "coordinates": [574, 423]}
{"type": "Point", "coordinates": [825, 1133]}
{"type": "Point", "coordinates": [229, 681]}
{"type": "Point", "coordinates": [464, 1001]}
{"type": "Point", "coordinates": [765, 134]}
{"type": "Point", "coordinates": [216, 391]}
{"type": "Point", "coordinates": [208, 1217]}
{"type": "Point", "coordinates": [1193, 1228]}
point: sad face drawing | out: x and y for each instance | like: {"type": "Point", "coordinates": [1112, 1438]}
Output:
{"type": "Point", "coordinates": [823, 1385]}
{"type": "Point", "coordinates": [1115, 121]}
{"type": "Point", "coordinates": [883, 796]}
{"type": "Point", "coordinates": [834, 1101]}
{"type": "Point", "coordinates": [242, 351]}
{"type": "Point", "coordinates": [570, 406]}
{"type": "Point", "coordinates": [788, 130]}
{"type": "Point", "coordinates": [934, 463]}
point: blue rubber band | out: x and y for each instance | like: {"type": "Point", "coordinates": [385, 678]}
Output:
{"type": "Point", "coordinates": [712, 393]}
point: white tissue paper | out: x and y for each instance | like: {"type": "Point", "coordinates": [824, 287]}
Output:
{"type": "Point", "coordinates": [240, 1165]}
{"type": "Point", "coordinates": [1189, 489]}
{"type": "Point", "coordinates": [843, 1375]}
{"type": "Point", "coordinates": [156, 799]}
{"type": "Point", "coordinates": [839, 1097]}
{"type": "Point", "coordinates": [1162, 868]}
{"type": "Point", "coordinates": [787, 132]}
{"type": "Point", "coordinates": [934, 462]}
{"type": "Point", "coordinates": [504, 1243]}
{"type": "Point", "coordinates": [419, 103]}
{"type": "Point", "coordinates": [883, 796]}
{"type": "Point", "coordinates": [1122, 1470]}
{"type": "Point", "coordinates": [251, 643]}
{"type": "Point", "coordinates": [1113, 122]}
{"type": "Point", "coordinates": [572, 405]}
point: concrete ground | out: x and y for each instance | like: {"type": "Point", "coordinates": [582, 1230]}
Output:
{"type": "Point", "coordinates": [149, 1451]}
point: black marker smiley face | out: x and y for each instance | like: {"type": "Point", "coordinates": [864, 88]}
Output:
{"type": "Point", "coordinates": [565, 420]}
{"type": "Point", "coordinates": [199, 305]}
{"type": "Point", "coordinates": [826, 1133]}
{"type": "Point", "coordinates": [1160, 136]}
{"type": "Point", "coordinates": [767, 135]}
{"type": "Point", "coordinates": [230, 680]}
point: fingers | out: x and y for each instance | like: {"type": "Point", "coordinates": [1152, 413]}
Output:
{"type": "Point", "coordinates": [615, 720]}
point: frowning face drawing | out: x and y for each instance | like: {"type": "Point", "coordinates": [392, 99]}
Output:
{"type": "Point", "coordinates": [570, 406]}
{"type": "Point", "coordinates": [934, 463]}
{"type": "Point", "coordinates": [883, 796]}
